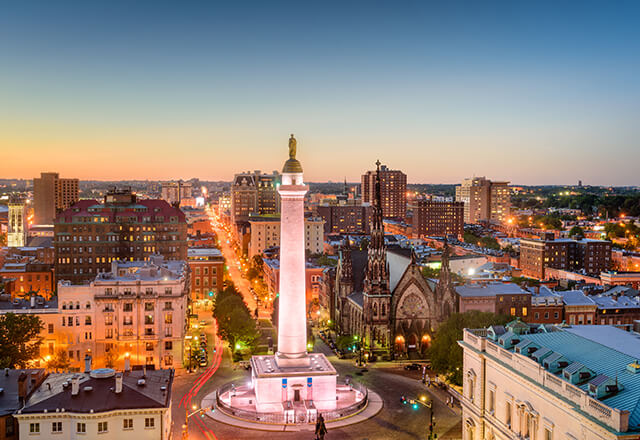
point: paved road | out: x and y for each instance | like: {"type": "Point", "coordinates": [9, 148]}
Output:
{"type": "Point", "coordinates": [234, 264]}
{"type": "Point", "coordinates": [395, 422]}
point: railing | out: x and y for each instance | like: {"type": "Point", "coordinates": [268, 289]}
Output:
{"type": "Point", "coordinates": [279, 418]}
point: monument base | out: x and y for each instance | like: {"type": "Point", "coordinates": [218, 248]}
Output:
{"type": "Point", "coordinates": [281, 385]}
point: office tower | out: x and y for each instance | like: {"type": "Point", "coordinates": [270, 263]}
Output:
{"type": "Point", "coordinates": [17, 232]}
{"type": "Point", "coordinates": [254, 193]}
{"type": "Point", "coordinates": [51, 195]}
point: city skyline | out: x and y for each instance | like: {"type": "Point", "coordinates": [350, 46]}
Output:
{"type": "Point", "coordinates": [533, 94]}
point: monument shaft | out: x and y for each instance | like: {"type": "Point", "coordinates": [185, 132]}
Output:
{"type": "Point", "coordinates": [292, 321]}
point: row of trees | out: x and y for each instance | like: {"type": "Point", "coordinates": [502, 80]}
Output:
{"type": "Point", "coordinates": [599, 204]}
{"type": "Point", "coordinates": [486, 241]}
{"type": "Point", "coordinates": [235, 322]}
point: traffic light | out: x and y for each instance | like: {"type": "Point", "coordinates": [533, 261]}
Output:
{"type": "Point", "coordinates": [415, 405]}
{"type": "Point", "coordinates": [210, 294]}
{"type": "Point", "coordinates": [403, 400]}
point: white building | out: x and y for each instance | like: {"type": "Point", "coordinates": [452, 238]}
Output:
{"type": "Point", "coordinates": [550, 383]}
{"type": "Point", "coordinates": [101, 404]}
{"type": "Point", "coordinates": [265, 233]}
{"type": "Point", "coordinates": [17, 230]}
{"type": "Point", "coordinates": [138, 309]}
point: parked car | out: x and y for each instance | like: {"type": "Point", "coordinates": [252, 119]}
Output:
{"type": "Point", "coordinates": [203, 362]}
{"type": "Point", "coordinates": [413, 367]}
{"type": "Point", "coordinates": [203, 323]}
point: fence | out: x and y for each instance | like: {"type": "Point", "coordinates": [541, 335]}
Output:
{"type": "Point", "coordinates": [279, 417]}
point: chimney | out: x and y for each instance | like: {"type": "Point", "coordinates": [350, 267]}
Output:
{"type": "Point", "coordinates": [33, 301]}
{"type": "Point", "coordinates": [87, 363]}
{"type": "Point", "coordinates": [118, 383]}
{"type": "Point", "coordinates": [22, 388]}
{"type": "Point", "coordinates": [75, 385]}
{"type": "Point", "coordinates": [127, 363]}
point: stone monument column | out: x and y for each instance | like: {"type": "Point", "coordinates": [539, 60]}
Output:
{"type": "Point", "coordinates": [292, 316]}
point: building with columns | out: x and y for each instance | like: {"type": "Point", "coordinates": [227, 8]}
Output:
{"type": "Point", "coordinates": [265, 233]}
{"type": "Point", "coordinates": [550, 383]}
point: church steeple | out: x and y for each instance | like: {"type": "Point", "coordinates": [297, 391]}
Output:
{"type": "Point", "coordinates": [377, 273]}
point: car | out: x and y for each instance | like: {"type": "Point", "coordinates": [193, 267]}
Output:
{"type": "Point", "coordinates": [203, 323]}
{"type": "Point", "coordinates": [203, 344]}
{"type": "Point", "coordinates": [413, 367]}
{"type": "Point", "coordinates": [203, 362]}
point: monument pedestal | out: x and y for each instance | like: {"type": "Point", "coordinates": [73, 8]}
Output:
{"type": "Point", "coordinates": [275, 385]}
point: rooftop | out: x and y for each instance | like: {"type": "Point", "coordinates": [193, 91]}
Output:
{"type": "Point", "coordinates": [490, 289]}
{"type": "Point", "coordinates": [97, 394]}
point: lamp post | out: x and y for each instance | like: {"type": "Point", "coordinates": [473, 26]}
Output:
{"type": "Point", "coordinates": [427, 404]}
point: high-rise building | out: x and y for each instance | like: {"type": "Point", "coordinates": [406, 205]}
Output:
{"type": "Point", "coordinates": [393, 191]}
{"type": "Point", "coordinates": [434, 218]}
{"type": "Point", "coordinates": [51, 195]}
{"type": "Point", "coordinates": [90, 235]}
{"type": "Point", "coordinates": [17, 231]}
{"type": "Point", "coordinates": [254, 193]}
{"type": "Point", "coordinates": [484, 200]}
{"type": "Point", "coordinates": [177, 191]}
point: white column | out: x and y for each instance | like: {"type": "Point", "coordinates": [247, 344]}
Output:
{"type": "Point", "coordinates": [292, 321]}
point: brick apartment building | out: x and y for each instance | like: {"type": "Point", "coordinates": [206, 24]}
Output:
{"type": "Point", "coordinates": [345, 218]}
{"type": "Point", "coordinates": [393, 191]}
{"type": "Point", "coordinates": [436, 218]}
{"type": "Point", "coordinates": [592, 256]}
{"type": "Point", "coordinates": [207, 272]}
{"type": "Point", "coordinates": [89, 235]}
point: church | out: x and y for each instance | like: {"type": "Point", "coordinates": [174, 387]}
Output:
{"type": "Point", "coordinates": [382, 297]}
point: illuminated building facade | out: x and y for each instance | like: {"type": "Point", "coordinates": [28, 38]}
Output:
{"type": "Point", "coordinates": [17, 225]}
{"type": "Point", "coordinates": [484, 200]}
{"type": "Point", "coordinates": [90, 235]}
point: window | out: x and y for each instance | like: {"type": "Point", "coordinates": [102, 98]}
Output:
{"type": "Point", "coordinates": [149, 422]}
{"type": "Point", "coordinates": [81, 428]}
{"type": "Point", "coordinates": [128, 307]}
{"type": "Point", "coordinates": [127, 424]}
{"type": "Point", "coordinates": [507, 414]}
{"type": "Point", "coordinates": [168, 318]}
{"type": "Point", "coordinates": [524, 311]}
{"type": "Point", "coordinates": [34, 428]}
{"type": "Point", "coordinates": [148, 307]}
{"type": "Point", "coordinates": [87, 320]}
{"type": "Point", "coordinates": [148, 319]}
{"type": "Point", "coordinates": [56, 427]}
{"type": "Point", "coordinates": [108, 320]}
{"type": "Point", "coordinates": [9, 427]}
{"type": "Point", "coordinates": [168, 345]}
{"type": "Point", "coordinates": [50, 328]}
{"type": "Point", "coordinates": [492, 401]}
{"type": "Point", "coordinates": [168, 305]}
{"type": "Point", "coordinates": [127, 320]}
{"type": "Point", "coordinates": [108, 334]}
{"type": "Point", "coordinates": [102, 427]}
{"type": "Point", "coordinates": [149, 346]}
{"type": "Point", "coordinates": [548, 434]}
{"type": "Point", "coordinates": [513, 311]}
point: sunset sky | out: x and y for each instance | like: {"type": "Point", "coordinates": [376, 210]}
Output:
{"type": "Point", "coordinates": [533, 92]}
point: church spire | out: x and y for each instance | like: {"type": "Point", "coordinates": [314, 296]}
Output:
{"type": "Point", "coordinates": [377, 274]}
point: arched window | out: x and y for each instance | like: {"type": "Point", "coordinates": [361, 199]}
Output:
{"type": "Point", "coordinates": [384, 309]}
{"type": "Point", "coordinates": [375, 309]}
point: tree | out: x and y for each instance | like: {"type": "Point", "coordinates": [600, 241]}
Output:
{"type": "Point", "coordinates": [446, 354]}
{"type": "Point", "coordinates": [235, 322]}
{"type": "Point", "coordinates": [576, 232]}
{"type": "Point", "coordinates": [59, 361]}
{"type": "Point", "coordinates": [19, 339]}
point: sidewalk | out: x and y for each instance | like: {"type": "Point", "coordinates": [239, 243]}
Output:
{"type": "Point", "coordinates": [374, 406]}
